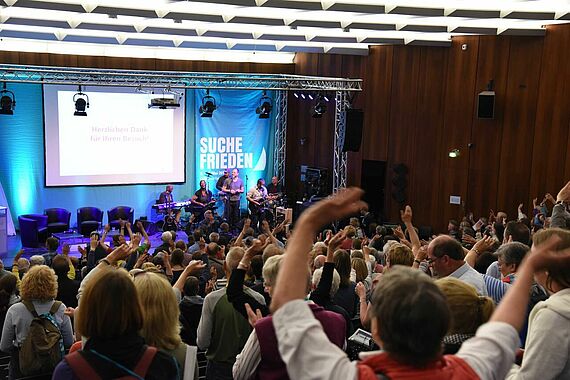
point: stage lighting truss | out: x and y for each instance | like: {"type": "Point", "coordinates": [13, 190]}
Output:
{"type": "Point", "coordinates": [208, 105]}
{"type": "Point", "coordinates": [81, 101]}
{"type": "Point", "coordinates": [175, 80]}
{"type": "Point", "coordinates": [265, 106]}
{"type": "Point", "coordinates": [7, 101]}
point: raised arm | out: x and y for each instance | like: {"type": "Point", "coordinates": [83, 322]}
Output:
{"type": "Point", "coordinates": [236, 295]}
{"type": "Point", "coordinates": [246, 224]}
{"type": "Point", "coordinates": [406, 216]}
{"type": "Point", "coordinates": [291, 282]}
{"type": "Point", "coordinates": [481, 246]}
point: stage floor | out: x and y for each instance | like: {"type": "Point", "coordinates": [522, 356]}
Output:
{"type": "Point", "coordinates": [15, 244]}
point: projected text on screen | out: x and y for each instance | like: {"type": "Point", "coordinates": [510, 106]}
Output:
{"type": "Point", "coordinates": [120, 141]}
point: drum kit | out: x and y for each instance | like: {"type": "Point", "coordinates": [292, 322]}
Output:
{"type": "Point", "coordinates": [267, 208]}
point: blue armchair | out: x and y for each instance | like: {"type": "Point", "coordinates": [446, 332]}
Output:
{"type": "Point", "coordinates": [33, 230]}
{"type": "Point", "coordinates": [89, 219]}
{"type": "Point", "coordinates": [58, 219]}
{"type": "Point", "coordinates": [116, 214]}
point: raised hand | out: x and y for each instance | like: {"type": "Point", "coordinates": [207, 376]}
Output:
{"type": "Point", "coordinates": [406, 215]}
{"type": "Point", "coordinates": [252, 317]}
{"type": "Point", "coordinates": [468, 239]}
{"type": "Point", "coordinates": [107, 227]}
{"type": "Point", "coordinates": [360, 291]}
{"type": "Point", "coordinates": [339, 206]}
{"type": "Point", "coordinates": [399, 233]}
{"type": "Point", "coordinates": [484, 244]}
{"type": "Point", "coordinates": [337, 240]}
{"type": "Point", "coordinates": [64, 249]}
{"type": "Point", "coordinates": [119, 253]}
{"type": "Point", "coordinates": [194, 265]}
{"type": "Point", "coordinates": [546, 256]}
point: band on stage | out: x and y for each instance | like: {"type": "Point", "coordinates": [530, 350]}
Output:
{"type": "Point", "coordinates": [204, 206]}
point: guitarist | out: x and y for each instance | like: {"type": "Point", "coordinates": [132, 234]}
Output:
{"type": "Point", "coordinates": [256, 198]}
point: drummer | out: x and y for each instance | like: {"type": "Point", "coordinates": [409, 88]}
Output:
{"type": "Point", "coordinates": [274, 189]}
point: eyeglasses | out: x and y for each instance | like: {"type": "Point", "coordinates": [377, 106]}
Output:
{"type": "Point", "coordinates": [431, 261]}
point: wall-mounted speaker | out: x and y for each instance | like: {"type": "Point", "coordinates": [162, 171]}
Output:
{"type": "Point", "coordinates": [486, 105]}
{"type": "Point", "coordinates": [352, 138]}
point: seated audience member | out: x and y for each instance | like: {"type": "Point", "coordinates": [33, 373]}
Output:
{"type": "Point", "coordinates": [52, 244]}
{"type": "Point", "coordinates": [167, 242]}
{"type": "Point", "coordinates": [38, 291]}
{"type": "Point", "coordinates": [318, 262]}
{"type": "Point", "coordinates": [399, 254]}
{"type": "Point", "coordinates": [8, 295]}
{"type": "Point", "coordinates": [160, 316]}
{"type": "Point", "coordinates": [214, 237]}
{"type": "Point", "coordinates": [468, 310]}
{"type": "Point", "coordinates": [37, 260]}
{"type": "Point", "coordinates": [222, 330]}
{"type": "Point", "coordinates": [67, 289]}
{"type": "Point", "coordinates": [514, 232]}
{"type": "Point", "coordinates": [509, 258]}
{"type": "Point", "coordinates": [345, 296]}
{"type": "Point", "coordinates": [260, 356]}
{"type": "Point", "coordinates": [225, 235]}
{"type": "Point", "coordinates": [453, 229]}
{"type": "Point", "coordinates": [190, 310]}
{"type": "Point", "coordinates": [548, 341]}
{"type": "Point", "coordinates": [110, 325]}
{"type": "Point", "coordinates": [410, 316]}
{"type": "Point", "coordinates": [177, 262]}
{"type": "Point", "coordinates": [446, 258]}
{"type": "Point", "coordinates": [213, 251]}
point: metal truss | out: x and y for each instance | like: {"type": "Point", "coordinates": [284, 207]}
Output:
{"type": "Point", "coordinates": [340, 166]}
{"type": "Point", "coordinates": [280, 136]}
{"type": "Point", "coordinates": [172, 79]}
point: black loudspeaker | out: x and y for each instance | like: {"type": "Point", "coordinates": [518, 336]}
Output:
{"type": "Point", "coordinates": [352, 138]}
{"type": "Point", "coordinates": [486, 105]}
{"type": "Point", "coordinates": [372, 181]}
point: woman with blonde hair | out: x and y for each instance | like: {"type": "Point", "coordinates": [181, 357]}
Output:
{"type": "Point", "coordinates": [468, 309]}
{"type": "Point", "coordinates": [160, 315]}
{"type": "Point", "coordinates": [109, 318]}
{"type": "Point", "coordinates": [38, 291]}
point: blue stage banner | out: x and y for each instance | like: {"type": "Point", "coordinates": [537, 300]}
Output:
{"type": "Point", "coordinates": [234, 137]}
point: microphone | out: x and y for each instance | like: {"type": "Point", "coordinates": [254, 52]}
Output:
{"type": "Point", "coordinates": [208, 173]}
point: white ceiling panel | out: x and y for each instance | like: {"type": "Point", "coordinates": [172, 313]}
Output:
{"type": "Point", "coordinates": [268, 26]}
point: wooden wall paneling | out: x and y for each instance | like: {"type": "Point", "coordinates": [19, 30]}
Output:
{"type": "Point", "coordinates": [550, 149]}
{"type": "Point", "coordinates": [402, 125]}
{"type": "Point", "coordinates": [519, 122]}
{"type": "Point", "coordinates": [456, 134]}
{"type": "Point", "coordinates": [10, 57]}
{"type": "Point", "coordinates": [90, 61]}
{"type": "Point", "coordinates": [119, 63]}
{"type": "Point", "coordinates": [35, 59]}
{"type": "Point", "coordinates": [425, 167]}
{"type": "Point", "coordinates": [486, 134]}
{"type": "Point", "coordinates": [378, 82]}
{"type": "Point", "coordinates": [142, 64]}
{"type": "Point", "coordinates": [62, 60]}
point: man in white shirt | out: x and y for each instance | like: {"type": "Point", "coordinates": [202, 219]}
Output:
{"type": "Point", "coordinates": [446, 258]}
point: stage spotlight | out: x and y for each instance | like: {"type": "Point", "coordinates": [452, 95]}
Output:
{"type": "Point", "coordinates": [326, 98]}
{"type": "Point", "coordinates": [265, 107]}
{"type": "Point", "coordinates": [7, 102]}
{"type": "Point", "coordinates": [208, 105]}
{"type": "Point", "coordinates": [311, 97]}
{"type": "Point", "coordinates": [320, 108]}
{"type": "Point", "coordinates": [81, 101]}
{"type": "Point", "coordinates": [303, 96]}
{"type": "Point", "coordinates": [296, 95]}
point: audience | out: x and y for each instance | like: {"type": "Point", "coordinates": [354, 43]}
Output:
{"type": "Point", "coordinates": [225, 286]}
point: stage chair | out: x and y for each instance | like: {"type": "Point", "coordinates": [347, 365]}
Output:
{"type": "Point", "coordinates": [33, 230]}
{"type": "Point", "coordinates": [118, 213]}
{"type": "Point", "coordinates": [89, 219]}
{"type": "Point", "coordinates": [58, 219]}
